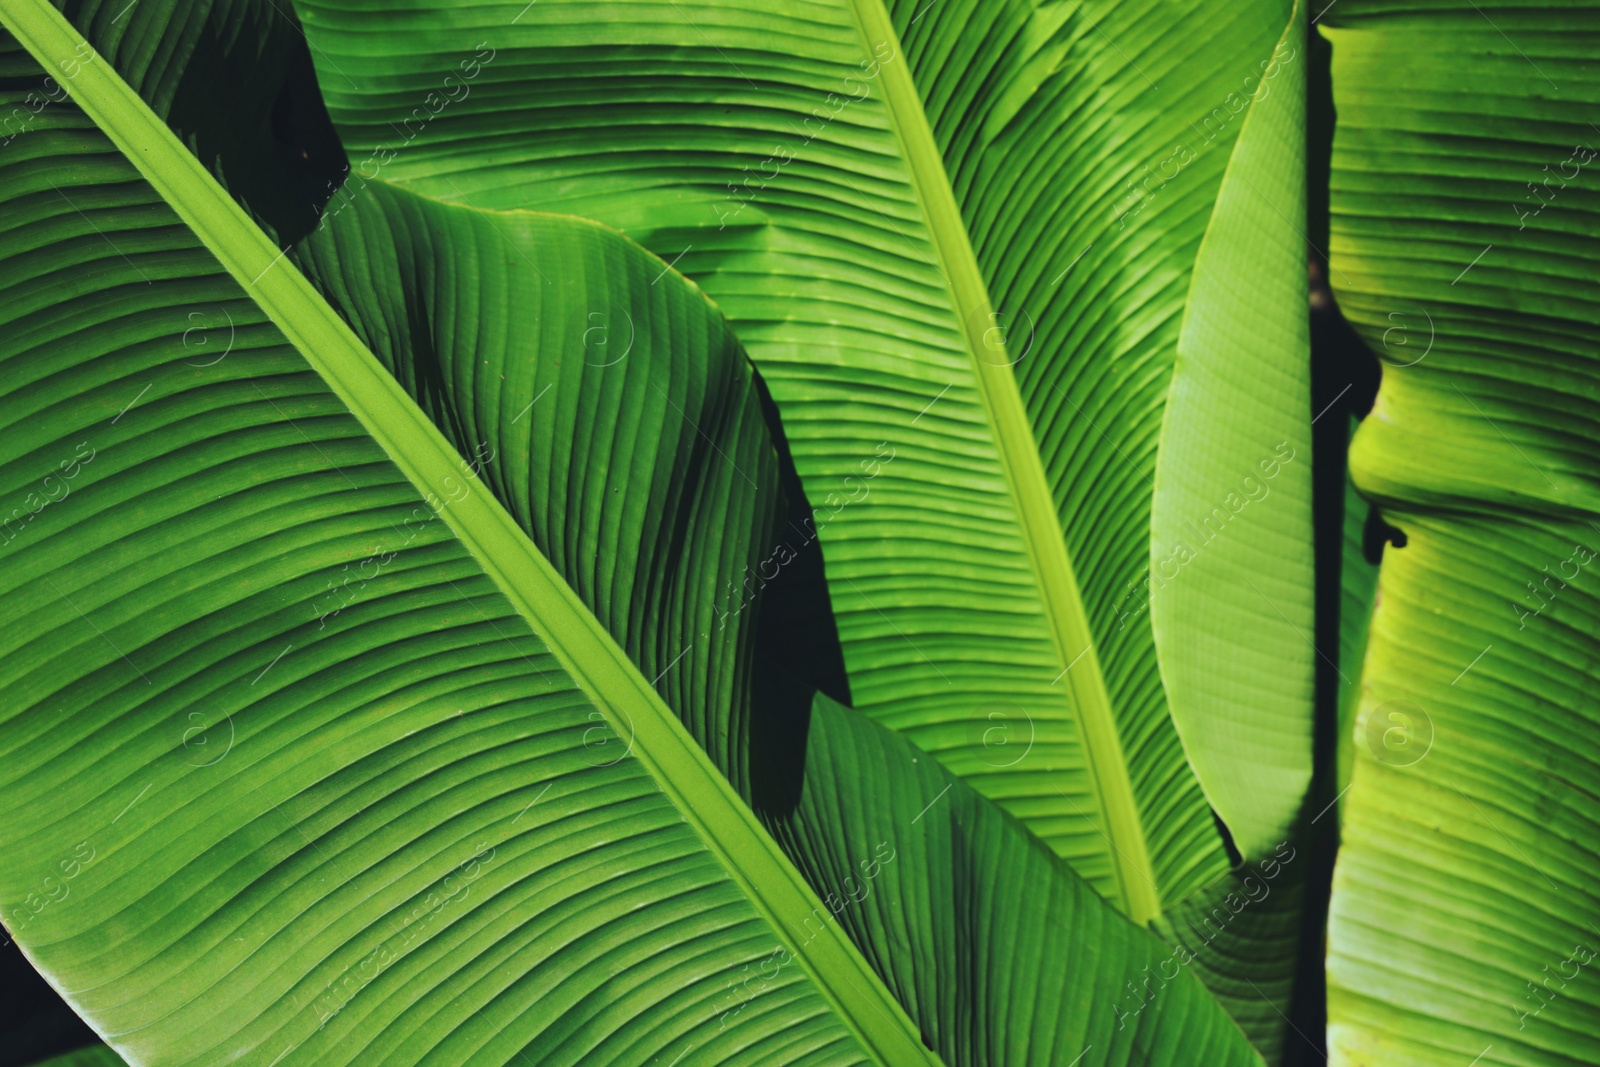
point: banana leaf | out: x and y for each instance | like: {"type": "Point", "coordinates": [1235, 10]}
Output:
{"type": "Point", "coordinates": [890, 204]}
{"type": "Point", "coordinates": [464, 677]}
{"type": "Point", "coordinates": [1464, 210]}
{"type": "Point", "coordinates": [857, 186]}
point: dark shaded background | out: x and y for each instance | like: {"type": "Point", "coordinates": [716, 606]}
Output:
{"type": "Point", "coordinates": [1344, 381]}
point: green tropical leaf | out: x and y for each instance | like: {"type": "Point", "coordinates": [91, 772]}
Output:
{"type": "Point", "coordinates": [1358, 590]}
{"type": "Point", "coordinates": [854, 781]}
{"type": "Point", "coordinates": [988, 586]}
{"type": "Point", "coordinates": [463, 672]}
{"type": "Point", "coordinates": [93, 1056]}
{"type": "Point", "coordinates": [1463, 196]}
{"type": "Point", "coordinates": [1239, 667]}
{"type": "Point", "coordinates": [368, 782]}
{"type": "Point", "coordinates": [1233, 934]}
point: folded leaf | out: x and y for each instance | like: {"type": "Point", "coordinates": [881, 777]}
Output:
{"type": "Point", "coordinates": [1463, 212]}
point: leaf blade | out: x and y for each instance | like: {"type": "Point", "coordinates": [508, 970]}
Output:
{"type": "Point", "coordinates": [1060, 596]}
{"type": "Point", "coordinates": [413, 444]}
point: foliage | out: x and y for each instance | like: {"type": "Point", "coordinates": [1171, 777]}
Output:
{"type": "Point", "coordinates": [784, 533]}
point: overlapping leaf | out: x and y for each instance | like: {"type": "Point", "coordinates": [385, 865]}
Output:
{"type": "Point", "coordinates": [668, 486]}
{"type": "Point", "coordinates": [850, 183]}
{"type": "Point", "coordinates": [295, 771]}
{"type": "Point", "coordinates": [969, 905]}
{"type": "Point", "coordinates": [1465, 214]}
{"type": "Point", "coordinates": [990, 583]}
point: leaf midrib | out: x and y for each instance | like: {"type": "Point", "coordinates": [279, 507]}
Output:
{"type": "Point", "coordinates": [1024, 470]}
{"type": "Point", "coordinates": [599, 666]}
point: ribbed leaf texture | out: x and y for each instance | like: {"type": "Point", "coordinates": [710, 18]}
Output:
{"type": "Point", "coordinates": [286, 771]}
{"type": "Point", "coordinates": [1465, 213]}
{"type": "Point", "coordinates": [848, 799]}
{"type": "Point", "coordinates": [590, 924]}
{"type": "Point", "coordinates": [846, 181]}
{"type": "Point", "coordinates": [849, 182]}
